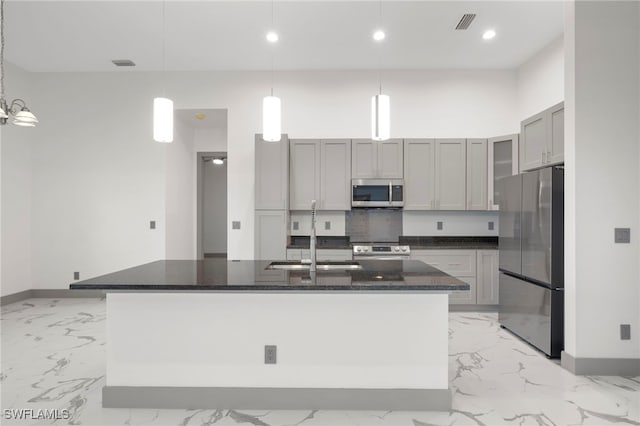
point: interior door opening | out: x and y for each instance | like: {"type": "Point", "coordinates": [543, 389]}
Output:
{"type": "Point", "coordinates": [212, 206]}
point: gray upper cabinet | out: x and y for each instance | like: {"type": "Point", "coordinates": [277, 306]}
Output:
{"type": "Point", "coordinates": [320, 170]}
{"type": "Point", "coordinates": [555, 155]}
{"type": "Point", "coordinates": [272, 174]}
{"type": "Point", "coordinates": [451, 174]}
{"type": "Point", "coordinates": [435, 174]}
{"type": "Point", "coordinates": [476, 174]}
{"type": "Point", "coordinates": [542, 139]}
{"type": "Point", "coordinates": [502, 153]}
{"type": "Point", "coordinates": [377, 159]}
{"type": "Point", "coordinates": [419, 174]}
{"type": "Point", "coordinates": [335, 174]}
{"type": "Point", "coordinates": [304, 183]}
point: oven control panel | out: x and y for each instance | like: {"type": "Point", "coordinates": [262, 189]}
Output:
{"type": "Point", "coordinates": [381, 250]}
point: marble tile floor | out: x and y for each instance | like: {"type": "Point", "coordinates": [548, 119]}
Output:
{"type": "Point", "coordinates": [53, 359]}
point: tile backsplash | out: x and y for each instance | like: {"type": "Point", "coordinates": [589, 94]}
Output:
{"type": "Point", "coordinates": [453, 223]}
{"type": "Point", "coordinates": [374, 225]}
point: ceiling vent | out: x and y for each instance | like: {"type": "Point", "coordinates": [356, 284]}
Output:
{"type": "Point", "coordinates": [465, 21]}
{"type": "Point", "coordinates": [123, 63]}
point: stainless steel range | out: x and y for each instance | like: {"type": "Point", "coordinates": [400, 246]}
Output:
{"type": "Point", "coordinates": [380, 251]}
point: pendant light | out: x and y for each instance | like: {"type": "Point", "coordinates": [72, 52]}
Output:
{"type": "Point", "coordinates": [380, 104]}
{"type": "Point", "coordinates": [271, 107]}
{"type": "Point", "coordinates": [17, 107]}
{"type": "Point", "coordinates": [162, 106]}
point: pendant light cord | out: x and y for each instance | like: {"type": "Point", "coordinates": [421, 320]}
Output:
{"type": "Point", "coordinates": [164, 51]}
{"type": "Point", "coordinates": [272, 49]}
{"type": "Point", "coordinates": [1, 49]}
{"type": "Point", "coordinates": [380, 50]}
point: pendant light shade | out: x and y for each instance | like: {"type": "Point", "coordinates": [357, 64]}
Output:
{"type": "Point", "coordinates": [380, 117]}
{"type": "Point", "coordinates": [162, 120]}
{"type": "Point", "coordinates": [25, 118]}
{"type": "Point", "coordinates": [271, 118]}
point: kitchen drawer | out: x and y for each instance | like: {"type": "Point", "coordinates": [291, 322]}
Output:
{"type": "Point", "coordinates": [321, 254]}
{"type": "Point", "coordinates": [459, 263]}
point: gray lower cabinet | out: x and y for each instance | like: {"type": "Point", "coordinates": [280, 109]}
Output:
{"type": "Point", "coordinates": [320, 170]}
{"type": "Point", "coordinates": [271, 174]}
{"type": "Point", "coordinates": [461, 264]}
{"type": "Point", "coordinates": [487, 277]}
{"type": "Point", "coordinates": [270, 234]}
{"type": "Point", "coordinates": [542, 139]}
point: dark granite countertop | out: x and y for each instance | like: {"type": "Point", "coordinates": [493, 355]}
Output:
{"type": "Point", "coordinates": [324, 242]}
{"type": "Point", "coordinates": [250, 275]}
{"type": "Point", "coordinates": [443, 243]}
{"type": "Point", "coordinates": [415, 242]}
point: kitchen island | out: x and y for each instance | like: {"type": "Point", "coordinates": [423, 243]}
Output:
{"type": "Point", "coordinates": [237, 334]}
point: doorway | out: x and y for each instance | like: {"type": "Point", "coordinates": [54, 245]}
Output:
{"type": "Point", "coordinates": [212, 204]}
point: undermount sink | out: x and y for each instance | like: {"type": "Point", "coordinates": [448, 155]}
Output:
{"type": "Point", "coordinates": [320, 266]}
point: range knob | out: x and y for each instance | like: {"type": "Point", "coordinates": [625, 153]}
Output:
{"type": "Point", "coordinates": [404, 248]}
{"type": "Point", "coordinates": [396, 249]}
{"type": "Point", "coordinates": [359, 249]}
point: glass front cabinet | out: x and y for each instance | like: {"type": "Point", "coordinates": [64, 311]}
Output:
{"type": "Point", "coordinates": [503, 161]}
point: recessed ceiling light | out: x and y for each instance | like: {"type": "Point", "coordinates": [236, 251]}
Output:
{"type": "Point", "coordinates": [379, 35]}
{"type": "Point", "coordinates": [272, 36]}
{"type": "Point", "coordinates": [489, 34]}
{"type": "Point", "coordinates": [218, 161]}
{"type": "Point", "coordinates": [200, 116]}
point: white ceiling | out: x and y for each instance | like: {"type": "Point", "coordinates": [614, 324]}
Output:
{"type": "Point", "coordinates": [86, 35]}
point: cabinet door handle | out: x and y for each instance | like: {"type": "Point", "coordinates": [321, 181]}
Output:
{"type": "Point", "coordinates": [548, 156]}
{"type": "Point", "coordinates": [543, 154]}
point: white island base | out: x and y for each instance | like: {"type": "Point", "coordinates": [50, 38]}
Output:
{"type": "Point", "coordinates": [335, 350]}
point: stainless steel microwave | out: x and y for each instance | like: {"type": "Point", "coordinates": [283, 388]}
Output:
{"type": "Point", "coordinates": [377, 193]}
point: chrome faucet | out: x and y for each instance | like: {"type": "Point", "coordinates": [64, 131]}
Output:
{"type": "Point", "coordinates": [312, 238]}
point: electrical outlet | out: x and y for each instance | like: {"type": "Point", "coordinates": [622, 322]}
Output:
{"type": "Point", "coordinates": [270, 354]}
{"type": "Point", "coordinates": [625, 331]}
{"type": "Point", "coordinates": [491, 226]}
{"type": "Point", "coordinates": [622, 235]}
{"type": "Point", "coordinates": [296, 225]}
{"type": "Point", "coordinates": [152, 224]}
{"type": "Point", "coordinates": [439, 226]}
{"type": "Point", "coordinates": [327, 225]}
{"type": "Point", "coordinates": [235, 224]}
{"type": "Point", "coordinates": [76, 275]}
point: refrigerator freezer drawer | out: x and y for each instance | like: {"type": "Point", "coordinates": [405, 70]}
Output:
{"type": "Point", "coordinates": [532, 312]}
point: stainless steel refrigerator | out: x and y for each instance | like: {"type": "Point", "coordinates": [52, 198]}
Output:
{"type": "Point", "coordinates": [531, 263]}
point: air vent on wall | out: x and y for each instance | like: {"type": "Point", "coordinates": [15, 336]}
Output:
{"type": "Point", "coordinates": [123, 63]}
{"type": "Point", "coordinates": [465, 21]}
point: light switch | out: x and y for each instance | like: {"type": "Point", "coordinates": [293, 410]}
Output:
{"type": "Point", "coordinates": [152, 224]}
{"type": "Point", "coordinates": [327, 225]}
{"type": "Point", "coordinates": [296, 225]}
{"type": "Point", "coordinates": [439, 226]}
{"type": "Point", "coordinates": [235, 224]}
{"type": "Point", "coordinates": [491, 226]}
{"type": "Point", "coordinates": [625, 331]}
{"type": "Point", "coordinates": [622, 235]}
